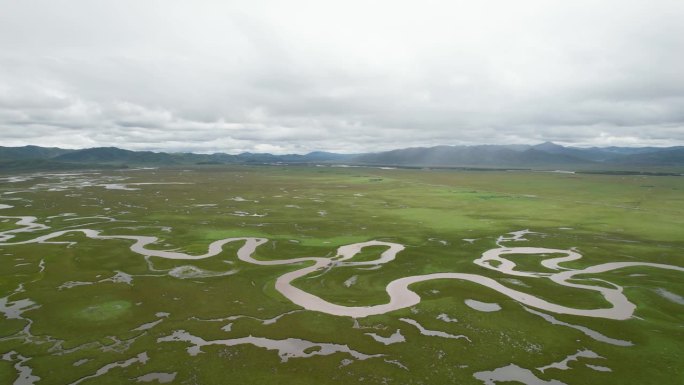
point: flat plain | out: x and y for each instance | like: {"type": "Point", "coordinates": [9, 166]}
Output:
{"type": "Point", "coordinates": [108, 277]}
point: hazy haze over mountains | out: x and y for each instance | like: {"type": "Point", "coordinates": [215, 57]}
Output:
{"type": "Point", "coordinates": [343, 76]}
{"type": "Point", "coordinates": [542, 156]}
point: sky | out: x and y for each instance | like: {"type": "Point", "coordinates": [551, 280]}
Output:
{"type": "Point", "coordinates": [346, 76]}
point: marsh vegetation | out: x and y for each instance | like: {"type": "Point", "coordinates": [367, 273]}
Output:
{"type": "Point", "coordinates": [334, 275]}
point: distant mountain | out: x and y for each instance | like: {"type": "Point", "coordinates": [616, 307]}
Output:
{"type": "Point", "coordinates": [629, 150]}
{"type": "Point", "coordinates": [592, 154]}
{"type": "Point", "coordinates": [322, 156]}
{"type": "Point", "coordinates": [312, 157]}
{"type": "Point", "coordinates": [248, 157]}
{"type": "Point", "coordinates": [109, 155]}
{"type": "Point", "coordinates": [113, 155]}
{"type": "Point", "coordinates": [546, 155]}
{"type": "Point", "coordinates": [45, 158]}
{"type": "Point", "coordinates": [673, 156]}
{"type": "Point", "coordinates": [30, 152]}
{"type": "Point", "coordinates": [467, 156]}
{"type": "Point", "coordinates": [26, 165]}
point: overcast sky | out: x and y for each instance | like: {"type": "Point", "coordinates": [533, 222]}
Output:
{"type": "Point", "coordinates": [347, 76]}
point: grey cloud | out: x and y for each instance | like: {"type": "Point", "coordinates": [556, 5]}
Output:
{"type": "Point", "coordinates": [341, 76]}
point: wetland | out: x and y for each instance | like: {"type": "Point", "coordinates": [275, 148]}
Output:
{"type": "Point", "coordinates": [326, 275]}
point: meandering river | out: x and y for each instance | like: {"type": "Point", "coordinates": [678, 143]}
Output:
{"type": "Point", "coordinates": [401, 296]}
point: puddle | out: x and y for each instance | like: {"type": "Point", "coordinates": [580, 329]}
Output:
{"type": "Point", "coordinates": [482, 306]}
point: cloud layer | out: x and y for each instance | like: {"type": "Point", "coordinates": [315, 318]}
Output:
{"type": "Point", "coordinates": [348, 76]}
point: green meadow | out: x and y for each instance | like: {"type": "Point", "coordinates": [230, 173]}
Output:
{"type": "Point", "coordinates": [79, 310]}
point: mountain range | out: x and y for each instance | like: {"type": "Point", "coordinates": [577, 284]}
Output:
{"type": "Point", "coordinates": [541, 156]}
{"type": "Point", "coordinates": [544, 155]}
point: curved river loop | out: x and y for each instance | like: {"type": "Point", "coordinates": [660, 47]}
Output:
{"type": "Point", "coordinates": [401, 296]}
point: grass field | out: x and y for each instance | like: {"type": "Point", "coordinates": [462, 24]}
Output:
{"type": "Point", "coordinates": [92, 311]}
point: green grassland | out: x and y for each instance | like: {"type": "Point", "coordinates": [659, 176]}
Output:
{"type": "Point", "coordinates": [446, 219]}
